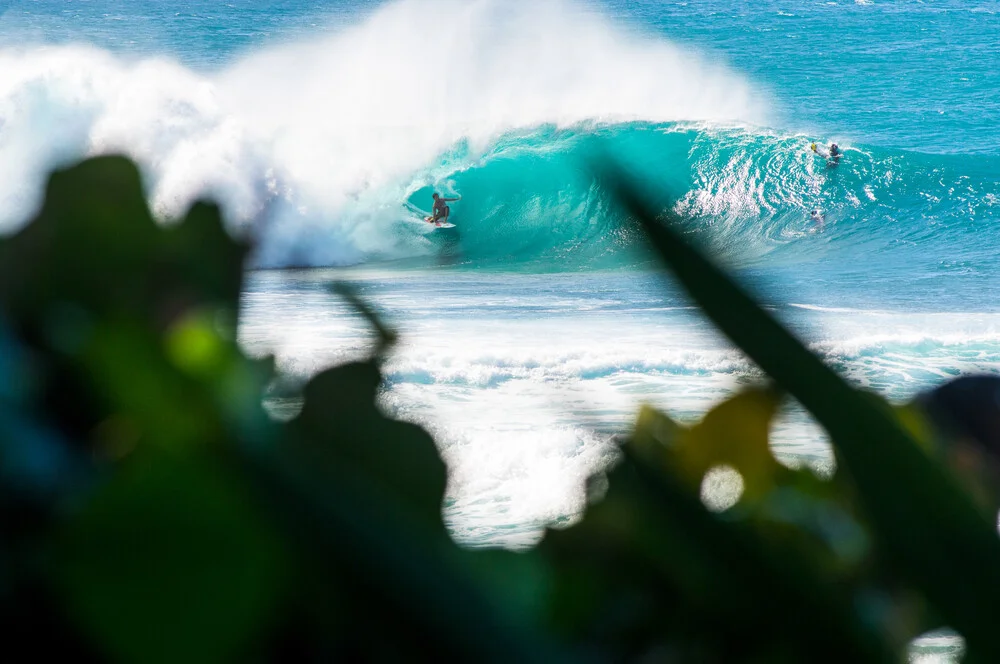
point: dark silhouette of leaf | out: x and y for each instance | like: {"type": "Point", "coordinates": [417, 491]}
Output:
{"type": "Point", "coordinates": [169, 561]}
{"type": "Point", "coordinates": [927, 524]}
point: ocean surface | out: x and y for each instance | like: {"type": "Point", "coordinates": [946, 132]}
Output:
{"type": "Point", "coordinates": [532, 331]}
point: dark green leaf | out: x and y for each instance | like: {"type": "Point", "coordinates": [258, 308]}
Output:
{"type": "Point", "coordinates": [170, 562]}
{"type": "Point", "coordinates": [928, 525]}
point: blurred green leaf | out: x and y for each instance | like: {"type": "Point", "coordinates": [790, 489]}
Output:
{"type": "Point", "coordinates": [341, 427]}
{"type": "Point", "coordinates": [734, 433]}
{"type": "Point", "coordinates": [166, 558]}
{"type": "Point", "coordinates": [404, 584]}
{"type": "Point", "coordinates": [927, 524]}
{"type": "Point", "coordinates": [170, 561]}
{"type": "Point", "coordinates": [386, 336]}
{"type": "Point", "coordinates": [178, 523]}
{"type": "Point", "coordinates": [709, 586]}
{"type": "Point", "coordinates": [367, 490]}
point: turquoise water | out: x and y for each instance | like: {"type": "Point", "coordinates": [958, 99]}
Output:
{"type": "Point", "coordinates": [329, 117]}
{"type": "Point", "coordinates": [535, 328]}
{"type": "Point", "coordinates": [911, 75]}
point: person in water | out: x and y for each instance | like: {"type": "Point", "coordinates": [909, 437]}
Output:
{"type": "Point", "coordinates": [817, 218]}
{"type": "Point", "coordinates": [834, 153]}
{"type": "Point", "coordinates": [441, 209]}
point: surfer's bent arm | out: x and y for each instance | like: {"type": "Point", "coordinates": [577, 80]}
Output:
{"type": "Point", "coordinates": [451, 200]}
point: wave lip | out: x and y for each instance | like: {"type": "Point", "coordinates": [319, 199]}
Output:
{"type": "Point", "coordinates": [327, 136]}
{"type": "Point", "coordinates": [324, 147]}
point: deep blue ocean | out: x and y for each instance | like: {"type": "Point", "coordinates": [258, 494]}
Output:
{"type": "Point", "coordinates": [534, 329]}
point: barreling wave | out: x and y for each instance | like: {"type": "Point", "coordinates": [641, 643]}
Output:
{"type": "Point", "coordinates": [748, 193]}
{"type": "Point", "coordinates": [328, 149]}
{"type": "Point", "coordinates": [324, 138]}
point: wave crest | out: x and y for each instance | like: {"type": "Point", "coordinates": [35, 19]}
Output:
{"type": "Point", "coordinates": [329, 135]}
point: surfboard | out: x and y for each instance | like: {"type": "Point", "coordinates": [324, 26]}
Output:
{"type": "Point", "coordinates": [440, 224]}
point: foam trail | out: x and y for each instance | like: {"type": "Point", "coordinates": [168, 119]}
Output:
{"type": "Point", "coordinates": [332, 134]}
{"type": "Point", "coordinates": [522, 377]}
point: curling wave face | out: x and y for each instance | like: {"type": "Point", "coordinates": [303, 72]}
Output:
{"type": "Point", "coordinates": [747, 192]}
{"type": "Point", "coordinates": [329, 149]}
{"type": "Point", "coordinates": [325, 138]}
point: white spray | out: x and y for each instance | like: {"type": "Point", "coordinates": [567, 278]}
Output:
{"type": "Point", "coordinates": [330, 135]}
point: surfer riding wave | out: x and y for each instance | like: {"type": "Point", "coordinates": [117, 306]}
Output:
{"type": "Point", "coordinates": [441, 211]}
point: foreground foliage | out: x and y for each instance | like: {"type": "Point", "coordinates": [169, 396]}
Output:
{"type": "Point", "coordinates": [152, 512]}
